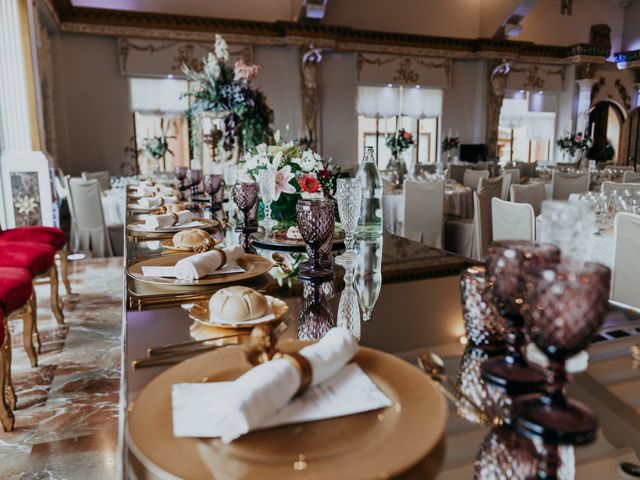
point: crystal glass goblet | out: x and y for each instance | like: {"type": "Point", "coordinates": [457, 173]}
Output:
{"type": "Point", "coordinates": [349, 197]}
{"type": "Point", "coordinates": [194, 177]}
{"type": "Point", "coordinates": [369, 277]}
{"type": "Point", "coordinates": [569, 226]}
{"type": "Point", "coordinates": [267, 183]}
{"type": "Point", "coordinates": [316, 222]}
{"type": "Point", "coordinates": [567, 305]}
{"type": "Point", "coordinates": [181, 175]}
{"type": "Point", "coordinates": [245, 196]}
{"type": "Point", "coordinates": [316, 318]}
{"type": "Point", "coordinates": [349, 315]}
{"type": "Point", "coordinates": [213, 185]}
{"type": "Point", "coordinates": [506, 262]}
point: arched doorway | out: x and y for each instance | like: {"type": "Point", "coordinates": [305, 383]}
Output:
{"type": "Point", "coordinates": [606, 121]}
{"type": "Point", "coordinates": [630, 147]}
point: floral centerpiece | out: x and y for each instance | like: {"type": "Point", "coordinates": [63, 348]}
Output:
{"type": "Point", "coordinates": [574, 143]}
{"type": "Point", "coordinates": [226, 89]}
{"type": "Point", "coordinates": [156, 148]}
{"type": "Point", "coordinates": [450, 143]}
{"type": "Point", "coordinates": [399, 142]}
{"type": "Point", "coordinates": [300, 173]}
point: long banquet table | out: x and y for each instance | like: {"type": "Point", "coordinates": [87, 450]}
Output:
{"type": "Point", "coordinates": [418, 307]}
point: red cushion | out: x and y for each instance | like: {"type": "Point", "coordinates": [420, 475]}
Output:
{"type": "Point", "coordinates": [35, 257]}
{"type": "Point", "coordinates": [15, 288]}
{"type": "Point", "coordinates": [37, 234]}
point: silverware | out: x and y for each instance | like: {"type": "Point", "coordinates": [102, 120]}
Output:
{"type": "Point", "coordinates": [433, 365]}
{"type": "Point", "coordinates": [151, 351]}
{"type": "Point", "coordinates": [278, 258]}
{"type": "Point", "coordinates": [172, 357]}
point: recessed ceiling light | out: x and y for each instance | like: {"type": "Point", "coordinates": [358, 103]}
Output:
{"type": "Point", "coordinates": [170, 76]}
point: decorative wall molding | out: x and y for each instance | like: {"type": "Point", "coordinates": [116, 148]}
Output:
{"type": "Point", "coordinates": [405, 70]}
{"type": "Point", "coordinates": [537, 77]}
{"type": "Point", "coordinates": [622, 92]}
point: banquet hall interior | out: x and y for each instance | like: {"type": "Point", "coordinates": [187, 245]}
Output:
{"type": "Point", "coordinates": [341, 239]}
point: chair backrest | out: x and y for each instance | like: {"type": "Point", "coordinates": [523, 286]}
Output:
{"type": "Point", "coordinates": [494, 169]}
{"type": "Point", "coordinates": [532, 193]}
{"type": "Point", "coordinates": [527, 169]}
{"type": "Point", "coordinates": [506, 186]}
{"type": "Point", "coordinates": [87, 204]}
{"type": "Point", "coordinates": [564, 184]}
{"type": "Point", "coordinates": [423, 210]}
{"type": "Point", "coordinates": [472, 177]}
{"type": "Point", "coordinates": [512, 221]}
{"type": "Point", "coordinates": [626, 264]}
{"type": "Point", "coordinates": [611, 187]}
{"type": "Point", "coordinates": [491, 186]}
{"type": "Point", "coordinates": [568, 165]}
{"type": "Point", "coordinates": [456, 172]}
{"type": "Point", "coordinates": [515, 175]}
{"type": "Point", "coordinates": [102, 176]}
{"type": "Point", "coordinates": [619, 168]}
{"type": "Point", "coordinates": [631, 177]}
{"type": "Point", "coordinates": [482, 234]}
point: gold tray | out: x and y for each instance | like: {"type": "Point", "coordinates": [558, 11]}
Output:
{"type": "Point", "coordinates": [377, 444]}
{"type": "Point", "coordinates": [200, 313]}
{"type": "Point", "coordinates": [207, 224]}
{"type": "Point", "coordinates": [254, 266]}
{"type": "Point", "coordinates": [168, 244]}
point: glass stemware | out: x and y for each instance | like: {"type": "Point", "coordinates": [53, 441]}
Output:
{"type": "Point", "coordinates": [267, 183]}
{"type": "Point", "coordinates": [567, 305]}
{"type": "Point", "coordinates": [349, 197]}
{"type": "Point", "coordinates": [181, 175]}
{"type": "Point", "coordinates": [245, 196]}
{"type": "Point", "coordinates": [569, 226]}
{"type": "Point", "coordinates": [369, 274]}
{"type": "Point", "coordinates": [349, 307]}
{"type": "Point", "coordinates": [316, 318]}
{"type": "Point", "coordinates": [213, 185]}
{"type": "Point", "coordinates": [316, 220]}
{"type": "Point", "coordinates": [506, 262]}
{"type": "Point", "coordinates": [194, 176]}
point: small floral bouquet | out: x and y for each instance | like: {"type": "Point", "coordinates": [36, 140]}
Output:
{"type": "Point", "coordinates": [157, 147]}
{"type": "Point", "coordinates": [399, 142]}
{"type": "Point", "coordinates": [574, 142]}
{"type": "Point", "coordinates": [450, 143]}
{"type": "Point", "coordinates": [300, 173]}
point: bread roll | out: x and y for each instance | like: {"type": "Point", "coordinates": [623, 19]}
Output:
{"type": "Point", "coordinates": [191, 238]}
{"type": "Point", "coordinates": [237, 304]}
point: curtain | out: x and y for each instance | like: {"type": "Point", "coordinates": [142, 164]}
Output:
{"type": "Point", "coordinates": [540, 125]}
{"type": "Point", "coordinates": [422, 102]}
{"type": "Point", "coordinates": [513, 112]}
{"type": "Point", "coordinates": [380, 102]}
{"type": "Point", "coordinates": [155, 94]}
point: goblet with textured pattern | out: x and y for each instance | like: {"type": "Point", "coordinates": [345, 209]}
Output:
{"type": "Point", "coordinates": [349, 196]}
{"type": "Point", "coordinates": [506, 262]}
{"type": "Point", "coordinates": [316, 222]}
{"type": "Point", "coordinates": [316, 318]}
{"type": "Point", "coordinates": [245, 196]}
{"type": "Point", "coordinates": [567, 305]}
{"type": "Point", "coordinates": [505, 453]}
{"type": "Point", "coordinates": [484, 326]}
{"type": "Point", "coordinates": [349, 315]}
{"type": "Point", "coordinates": [194, 177]}
{"type": "Point", "coordinates": [266, 179]}
{"type": "Point", "coordinates": [213, 185]}
{"type": "Point", "coordinates": [181, 175]}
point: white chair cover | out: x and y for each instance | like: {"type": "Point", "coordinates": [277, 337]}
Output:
{"type": "Point", "coordinates": [506, 186]}
{"type": "Point", "coordinates": [482, 234]}
{"type": "Point", "coordinates": [626, 264]}
{"type": "Point", "coordinates": [491, 186]}
{"type": "Point", "coordinates": [423, 210]}
{"type": "Point", "coordinates": [512, 221]}
{"type": "Point", "coordinates": [102, 176]}
{"type": "Point", "coordinates": [631, 177]}
{"type": "Point", "coordinates": [515, 175]}
{"type": "Point", "coordinates": [73, 234]}
{"type": "Point", "coordinates": [472, 178]}
{"type": "Point", "coordinates": [532, 193]}
{"type": "Point", "coordinates": [611, 187]}
{"type": "Point", "coordinates": [93, 234]}
{"type": "Point", "coordinates": [564, 184]}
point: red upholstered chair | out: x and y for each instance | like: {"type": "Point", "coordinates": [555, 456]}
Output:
{"type": "Point", "coordinates": [6, 414]}
{"type": "Point", "coordinates": [39, 234]}
{"type": "Point", "coordinates": [18, 300]}
{"type": "Point", "coordinates": [39, 259]}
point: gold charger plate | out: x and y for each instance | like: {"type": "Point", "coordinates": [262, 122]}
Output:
{"type": "Point", "coordinates": [168, 245]}
{"type": "Point", "coordinates": [200, 313]}
{"type": "Point", "coordinates": [377, 444]}
{"type": "Point", "coordinates": [254, 265]}
{"type": "Point", "coordinates": [206, 224]}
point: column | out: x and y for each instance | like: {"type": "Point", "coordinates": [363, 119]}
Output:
{"type": "Point", "coordinates": [584, 103]}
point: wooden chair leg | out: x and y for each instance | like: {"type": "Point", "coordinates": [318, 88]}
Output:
{"type": "Point", "coordinates": [6, 414]}
{"type": "Point", "coordinates": [64, 269]}
{"type": "Point", "coordinates": [34, 312]}
{"type": "Point", "coordinates": [54, 300]}
{"type": "Point", "coordinates": [28, 319]}
{"type": "Point", "coordinates": [9, 393]}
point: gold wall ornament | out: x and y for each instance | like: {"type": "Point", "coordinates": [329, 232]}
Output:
{"type": "Point", "coordinates": [536, 77]}
{"type": "Point", "coordinates": [404, 73]}
{"type": "Point", "coordinates": [622, 92]}
{"type": "Point", "coordinates": [185, 56]}
{"type": "Point", "coordinates": [408, 70]}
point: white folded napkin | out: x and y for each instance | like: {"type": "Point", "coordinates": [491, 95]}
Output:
{"type": "Point", "coordinates": [146, 191]}
{"type": "Point", "coordinates": [166, 220]}
{"type": "Point", "coordinates": [200, 265]}
{"type": "Point", "coordinates": [150, 202]}
{"type": "Point", "coordinates": [146, 183]}
{"type": "Point", "coordinates": [265, 389]}
{"type": "Point", "coordinates": [166, 191]}
{"type": "Point", "coordinates": [170, 199]}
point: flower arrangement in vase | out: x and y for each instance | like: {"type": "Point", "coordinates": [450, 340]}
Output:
{"type": "Point", "coordinates": [156, 148]}
{"type": "Point", "coordinates": [225, 89]}
{"type": "Point", "coordinates": [450, 143]}
{"type": "Point", "coordinates": [573, 143]}
{"type": "Point", "coordinates": [398, 142]}
{"type": "Point", "coordinates": [300, 173]}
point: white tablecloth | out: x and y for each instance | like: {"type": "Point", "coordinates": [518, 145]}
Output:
{"type": "Point", "coordinates": [113, 206]}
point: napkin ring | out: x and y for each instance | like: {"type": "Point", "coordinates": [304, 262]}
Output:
{"type": "Point", "coordinates": [223, 256]}
{"type": "Point", "coordinates": [176, 219]}
{"type": "Point", "coordinates": [302, 365]}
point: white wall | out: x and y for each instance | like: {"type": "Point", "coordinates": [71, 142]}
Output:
{"type": "Point", "coordinates": [631, 28]}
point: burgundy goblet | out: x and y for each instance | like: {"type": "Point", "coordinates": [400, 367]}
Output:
{"type": "Point", "coordinates": [245, 196]}
{"type": "Point", "coordinates": [505, 453]}
{"type": "Point", "coordinates": [181, 175]}
{"type": "Point", "coordinates": [316, 318]}
{"type": "Point", "coordinates": [194, 177]}
{"type": "Point", "coordinates": [213, 183]}
{"type": "Point", "coordinates": [506, 262]}
{"type": "Point", "coordinates": [316, 222]}
{"type": "Point", "coordinates": [567, 305]}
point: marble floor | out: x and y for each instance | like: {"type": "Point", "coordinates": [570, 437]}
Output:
{"type": "Point", "coordinates": [67, 413]}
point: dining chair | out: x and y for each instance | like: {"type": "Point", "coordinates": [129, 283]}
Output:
{"type": "Point", "coordinates": [492, 186]}
{"type": "Point", "coordinates": [7, 418]}
{"type": "Point", "coordinates": [531, 193]}
{"type": "Point", "coordinates": [626, 263]}
{"type": "Point", "coordinates": [423, 211]}
{"type": "Point", "coordinates": [619, 188]}
{"type": "Point", "coordinates": [456, 172]}
{"type": "Point", "coordinates": [472, 178]}
{"type": "Point", "coordinates": [527, 169]}
{"type": "Point", "coordinates": [512, 221]}
{"type": "Point", "coordinates": [631, 177]}
{"type": "Point", "coordinates": [93, 233]}
{"type": "Point", "coordinates": [515, 175]}
{"type": "Point", "coordinates": [564, 184]}
{"type": "Point", "coordinates": [102, 176]}
{"type": "Point", "coordinates": [470, 237]}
